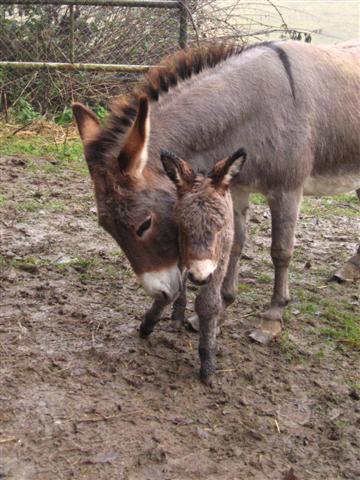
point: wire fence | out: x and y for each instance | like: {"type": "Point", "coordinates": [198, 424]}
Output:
{"type": "Point", "coordinates": [54, 51]}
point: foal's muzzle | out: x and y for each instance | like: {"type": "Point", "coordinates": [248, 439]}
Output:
{"type": "Point", "coordinates": [198, 282]}
{"type": "Point", "coordinates": [200, 272]}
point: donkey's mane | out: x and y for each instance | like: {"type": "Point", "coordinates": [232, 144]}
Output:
{"type": "Point", "coordinates": [170, 72]}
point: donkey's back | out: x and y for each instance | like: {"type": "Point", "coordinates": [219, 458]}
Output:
{"type": "Point", "coordinates": [302, 127]}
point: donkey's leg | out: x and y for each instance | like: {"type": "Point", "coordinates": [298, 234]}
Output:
{"type": "Point", "coordinates": [350, 271]}
{"type": "Point", "coordinates": [151, 317]}
{"type": "Point", "coordinates": [208, 307]}
{"type": "Point", "coordinates": [284, 209]}
{"type": "Point", "coordinates": [229, 286]}
{"type": "Point", "coordinates": [178, 309]}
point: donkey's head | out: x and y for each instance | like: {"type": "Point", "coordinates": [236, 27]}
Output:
{"type": "Point", "coordinates": [204, 213]}
{"type": "Point", "coordinates": [135, 205]}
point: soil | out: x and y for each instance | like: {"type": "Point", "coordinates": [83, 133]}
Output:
{"type": "Point", "coordinates": [83, 397]}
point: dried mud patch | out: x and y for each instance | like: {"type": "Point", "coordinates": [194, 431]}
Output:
{"type": "Point", "coordinates": [83, 397]}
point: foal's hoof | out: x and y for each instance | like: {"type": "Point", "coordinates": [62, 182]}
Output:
{"type": "Point", "coordinates": [176, 325]}
{"type": "Point", "coordinates": [270, 327]}
{"type": "Point", "coordinates": [193, 324]}
{"type": "Point", "coordinates": [145, 330]}
{"type": "Point", "coordinates": [207, 379]}
{"type": "Point", "coordinates": [348, 272]}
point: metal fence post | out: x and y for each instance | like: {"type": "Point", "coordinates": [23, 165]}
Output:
{"type": "Point", "coordinates": [72, 27]}
{"type": "Point", "coordinates": [183, 24]}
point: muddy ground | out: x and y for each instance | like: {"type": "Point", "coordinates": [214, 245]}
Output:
{"type": "Point", "coordinates": [83, 397]}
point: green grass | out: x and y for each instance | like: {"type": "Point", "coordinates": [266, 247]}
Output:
{"type": "Point", "coordinates": [82, 265]}
{"type": "Point", "coordinates": [288, 348]}
{"type": "Point", "coordinates": [67, 154]}
{"type": "Point", "coordinates": [2, 200]}
{"type": "Point", "coordinates": [344, 326]}
{"type": "Point", "coordinates": [337, 321]}
{"type": "Point", "coordinates": [29, 206]}
{"type": "Point", "coordinates": [56, 206]}
{"type": "Point", "coordinates": [344, 205]}
{"type": "Point", "coordinates": [258, 199]}
{"type": "Point", "coordinates": [33, 205]}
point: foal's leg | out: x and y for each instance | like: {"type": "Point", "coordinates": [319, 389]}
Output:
{"type": "Point", "coordinates": [284, 207]}
{"type": "Point", "coordinates": [229, 286]}
{"type": "Point", "coordinates": [208, 308]}
{"type": "Point", "coordinates": [351, 269]}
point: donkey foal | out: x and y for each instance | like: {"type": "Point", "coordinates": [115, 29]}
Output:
{"type": "Point", "coordinates": [206, 227]}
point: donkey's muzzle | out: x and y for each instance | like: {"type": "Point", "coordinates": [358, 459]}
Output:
{"type": "Point", "coordinates": [164, 284]}
{"type": "Point", "coordinates": [198, 282]}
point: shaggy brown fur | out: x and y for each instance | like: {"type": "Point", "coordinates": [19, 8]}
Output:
{"type": "Point", "coordinates": [206, 229]}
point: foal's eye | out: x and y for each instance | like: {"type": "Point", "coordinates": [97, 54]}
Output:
{"type": "Point", "coordinates": [143, 227]}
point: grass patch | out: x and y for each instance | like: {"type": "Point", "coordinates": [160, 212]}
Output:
{"type": "Point", "coordinates": [60, 146]}
{"type": "Point", "coordinates": [2, 200]}
{"type": "Point", "coordinates": [288, 348]}
{"type": "Point", "coordinates": [346, 204]}
{"type": "Point", "coordinates": [244, 288]}
{"type": "Point", "coordinates": [344, 326]}
{"type": "Point", "coordinates": [29, 206]}
{"type": "Point", "coordinates": [258, 199]}
{"type": "Point", "coordinates": [265, 278]}
{"type": "Point", "coordinates": [35, 205]}
{"type": "Point", "coordinates": [56, 206]}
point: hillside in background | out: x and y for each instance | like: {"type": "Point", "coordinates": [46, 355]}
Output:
{"type": "Point", "coordinates": [335, 20]}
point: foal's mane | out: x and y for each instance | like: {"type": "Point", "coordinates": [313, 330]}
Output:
{"type": "Point", "coordinates": [174, 69]}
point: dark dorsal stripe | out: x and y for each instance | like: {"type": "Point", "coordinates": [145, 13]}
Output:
{"type": "Point", "coordinates": [285, 60]}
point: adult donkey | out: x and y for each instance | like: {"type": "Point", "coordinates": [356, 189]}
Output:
{"type": "Point", "coordinates": [295, 108]}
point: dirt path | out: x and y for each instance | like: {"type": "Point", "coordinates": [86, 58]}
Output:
{"type": "Point", "coordinates": [82, 397]}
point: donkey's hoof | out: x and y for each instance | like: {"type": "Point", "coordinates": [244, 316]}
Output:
{"type": "Point", "coordinates": [347, 273]}
{"type": "Point", "coordinates": [261, 337]}
{"type": "Point", "coordinates": [193, 323]}
{"type": "Point", "coordinates": [270, 327]}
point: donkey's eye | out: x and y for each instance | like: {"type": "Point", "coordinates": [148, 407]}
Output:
{"type": "Point", "coordinates": [143, 227]}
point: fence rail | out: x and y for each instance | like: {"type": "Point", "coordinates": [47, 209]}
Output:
{"type": "Point", "coordinates": [108, 67]}
{"type": "Point", "coordinates": [55, 51]}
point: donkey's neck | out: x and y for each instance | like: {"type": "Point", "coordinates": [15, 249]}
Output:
{"type": "Point", "coordinates": [196, 119]}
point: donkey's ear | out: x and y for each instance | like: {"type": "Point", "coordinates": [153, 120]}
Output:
{"type": "Point", "coordinates": [133, 155]}
{"type": "Point", "coordinates": [179, 171]}
{"type": "Point", "coordinates": [87, 122]}
{"type": "Point", "coordinates": [225, 170]}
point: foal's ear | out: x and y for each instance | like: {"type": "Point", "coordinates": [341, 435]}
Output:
{"type": "Point", "coordinates": [87, 122]}
{"type": "Point", "coordinates": [225, 170]}
{"type": "Point", "coordinates": [134, 155]}
{"type": "Point", "coordinates": [179, 171]}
